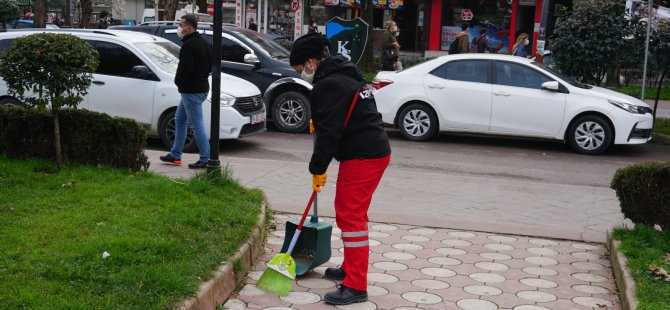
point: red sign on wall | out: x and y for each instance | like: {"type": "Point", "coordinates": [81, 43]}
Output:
{"type": "Point", "coordinates": [466, 14]}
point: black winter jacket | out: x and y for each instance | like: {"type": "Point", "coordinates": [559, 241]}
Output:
{"type": "Point", "coordinates": [336, 81]}
{"type": "Point", "coordinates": [195, 64]}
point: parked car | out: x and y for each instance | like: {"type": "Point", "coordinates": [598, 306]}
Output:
{"type": "Point", "coordinates": [135, 79]}
{"type": "Point", "coordinates": [507, 95]}
{"type": "Point", "coordinates": [252, 56]}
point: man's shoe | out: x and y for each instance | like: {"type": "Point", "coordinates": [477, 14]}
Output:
{"type": "Point", "coordinates": [336, 274]}
{"type": "Point", "coordinates": [171, 159]}
{"type": "Point", "coordinates": [198, 165]}
{"type": "Point", "coordinates": [345, 296]}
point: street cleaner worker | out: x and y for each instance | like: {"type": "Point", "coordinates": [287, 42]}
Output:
{"type": "Point", "coordinates": [362, 148]}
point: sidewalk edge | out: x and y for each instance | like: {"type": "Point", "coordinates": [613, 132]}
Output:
{"type": "Point", "coordinates": [660, 138]}
{"type": "Point", "coordinates": [226, 278]}
{"type": "Point", "coordinates": [624, 281]}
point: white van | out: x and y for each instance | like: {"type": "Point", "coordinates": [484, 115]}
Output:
{"type": "Point", "coordinates": [135, 79]}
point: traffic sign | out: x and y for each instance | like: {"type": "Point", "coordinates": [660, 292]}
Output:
{"type": "Point", "coordinates": [466, 14]}
{"type": "Point", "coordinates": [210, 9]}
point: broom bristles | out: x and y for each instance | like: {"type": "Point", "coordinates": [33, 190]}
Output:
{"type": "Point", "coordinates": [275, 282]}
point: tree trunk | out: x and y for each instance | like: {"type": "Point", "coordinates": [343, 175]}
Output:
{"type": "Point", "coordinates": [66, 14]}
{"type": "Point", "coordinates": [59, 155]}
{"type": "Point", "coordinates": [86, 13]}
{"type": "Point", "coordinates": [367, 62]}
{"type": "Point", "coordinates": [170, 9]}
{"type": "Point", "coordinates": [40, 14]}
{"type": "Point", "coordinates": [658, 95]}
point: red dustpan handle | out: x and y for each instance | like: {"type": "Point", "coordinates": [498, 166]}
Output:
{"type": "Point", "coordinates": [302, 221]}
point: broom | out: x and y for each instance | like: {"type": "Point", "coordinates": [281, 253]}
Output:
{"type": "Point", "coordinates": [278, 277]}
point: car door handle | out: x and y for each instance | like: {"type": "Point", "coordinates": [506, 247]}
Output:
{"type": "Point", "coordinates": [501, 93]}
{"type": "Point", "coordinates": [439, 86]}
{"type": "Point", "coordinates": [98, 82]}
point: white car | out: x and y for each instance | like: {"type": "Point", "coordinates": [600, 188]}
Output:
{"type": "Point", "coordinates": [507, 95]}
{"type": "Point", "coordinates": [135, 79]}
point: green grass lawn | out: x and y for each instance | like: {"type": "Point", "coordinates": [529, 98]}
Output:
{"type": "Point", "coordinates": [662, 125]}
{"type": "Point", "coordinates": [644, 246]}
{"type": "Point", "coordinates": [165, 237]}
{"type": "Point", "coordinates": [649, 92]}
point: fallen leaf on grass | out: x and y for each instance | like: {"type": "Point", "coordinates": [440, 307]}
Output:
{"type": "Point", "coordinates": [666, 258]}
{"type": "Point", "coordinates": [8, 208]}
{"type": "Point", "coordinates": [659, 273]}
{"type": "Point", "coordinates": [68, 184]}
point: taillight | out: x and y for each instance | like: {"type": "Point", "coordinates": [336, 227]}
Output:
{"type": "Point", "coordinates": [379, 84]}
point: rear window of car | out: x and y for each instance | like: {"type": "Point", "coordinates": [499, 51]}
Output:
{"type": "Point", "coordinates": [464, 70]}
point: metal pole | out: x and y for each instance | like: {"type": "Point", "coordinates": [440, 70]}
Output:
{"type": "Point", "coordinates": [650, 3]}
{"type": "Point", "coordinates": [214, 164]}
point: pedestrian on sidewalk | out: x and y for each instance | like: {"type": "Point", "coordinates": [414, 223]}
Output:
{"type": "Point", "coordinates": [390, 46]}
{"type": "Point", "coordinates": [192, 80]}
{"type": "Point", "coordinates": [520, 46]}
{"type": "Point", "coordinates": [103, 22]}
{"type": "Point", "coordinates": [362, 148]}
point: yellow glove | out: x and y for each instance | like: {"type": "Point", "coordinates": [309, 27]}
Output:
{"type": "Point", "coordinates": [311, 127]}
{"type": "Point", "coordinates": [318, 180]}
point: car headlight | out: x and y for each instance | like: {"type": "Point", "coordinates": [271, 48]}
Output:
{"type": "Point", "coordinates": [225, 100]}
{"type": "Point", "coordinates": [636, 109]}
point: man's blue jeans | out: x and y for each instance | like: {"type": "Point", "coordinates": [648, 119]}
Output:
{"type": "Point", "coordinates": [189, 111]}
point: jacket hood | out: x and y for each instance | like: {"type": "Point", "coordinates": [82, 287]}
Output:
{"type": "Point", "coordinates": [337, 64]}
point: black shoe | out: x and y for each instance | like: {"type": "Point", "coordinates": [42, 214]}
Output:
{"type": "Point", "coordinates": [170, 159]}
{"type": "Point", "coordinates": [345, 296]}
{"type": "Point", "coordinates": [198, 165]}
{"type": "Point", "coordinates": [336, 274]}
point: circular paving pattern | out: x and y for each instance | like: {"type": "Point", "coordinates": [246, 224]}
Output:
{"type": "Point", "coordinates": [275, 241]}
{"type": "Point", "coordinates": [359, 306]}
{"type": "Point", "coordinates": [590, 289]}
{"type": "Point", "coordinates": [530, 307]}
{"type": "Point", "coordinates": [406, 308]}
{"type": "Point", "coordinates": [415, 238]}
{"type": "Point", "coordinates": [301, 298]}
{"type": "Point", "coordinates": [495, 256]}
{"type": "Point", "coordinates": [543, 242]}
{"type": "Point", "coordinates": [377, 291]}
{"type": "Point", "coordinates": [483, 290]}
{"type": "Point", "coordinates": [539, 271]}
{"type": "Point", "coordinates": [584, 246]}
{"type": "Point", "coordinates": [539, 283]}
{"type": "Point", "coordinates": [277, 308]}
{"type": "Point", "coordinates": [430, 284]}
{"type": "Point", "coordinates": [423, 231]}
{"type": "Point", "coordinates": [378, 234]}
{"type": "Point", "coordinates": [279, 233]}
{"type": "Point", "coordinates": [316, 283]}
{"type": "Point", "coordinates": [445, 261]}
{"type": "Point", "coordinates": [589, 277]}
{"type": "Point", "coordinates": [438, 272]}
{"type": "Point", "coordinates": [450, 251]}
{"type": "Point", "coordinates": [390, 266]}
{"type": "Point", "coordinates": [487, 277]}
{"type": "Point", "coordinates": [461, 234]}
{"type": "Point", "coordinates": [476, 304]}
{"type": "Point", "coordinates": [542, 251]}
{"type": "Point", "coordinates": [251, 290]}
{"type": "Point", "coordinates": [337, 260]}
{"type": "Point", "coordinates": [407, 247]}
{"type": "Point", "coordinates": [255, 275]}
{"type": "Point", "coordinates": [542, 261]}
{"type": "Point", "coordinates": [499, 247]}
{"type": "Point", "coordinates": [456, 242]}
{"type": "Point", "coordinates": [422, 298]}
{"type": "Point", "coordinates": [592, 302]}
{"type": "Point", "coordinates": [399, 255]}
{"type": "Point", "coordinates": [585, 255]}
{"type": "Point", "coordinates": [235, 304]}
{"type": "Point", "coordinates": [375, 277]}
{"type": "Point", "coordinates": [492, 266]}
{"type": "Point", "coordinates": [502, 239]}
{"type": "Point", "coordinates": [384, 227]}
{"type": "Point", "coordinates": [536, 296]}
{"type": "Point", "coordinates": [373, 242]}
{"type": "Point", "coordinates": [587, 266]}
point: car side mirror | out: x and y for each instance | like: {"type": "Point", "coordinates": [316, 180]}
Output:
{"type": "Point", "coordinates": [143, 72]}
{"type": "Point", "coordinates": [251, 59]}
{"type": "Point", "coordinates": [551, 86]}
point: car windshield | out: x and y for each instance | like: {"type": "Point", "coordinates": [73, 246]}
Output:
{"type": "Point", "coordinates": [263, 43]}
{"type": "Point", "coordinates": [164, 54]}
{"type": "Point", "coordinates": [562, 76]}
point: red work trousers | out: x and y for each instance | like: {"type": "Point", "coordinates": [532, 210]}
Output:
{"type": "Point", "coordinates": [356, 182]}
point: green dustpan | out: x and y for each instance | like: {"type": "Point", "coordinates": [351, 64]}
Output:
{"type": "Point", "coordinates": [313, 246]}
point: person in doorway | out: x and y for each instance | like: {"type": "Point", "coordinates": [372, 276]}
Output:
{"type": "Point", "coordinates": [480, 44]}
{"type": "Point", "coordinates": [195, 64]}
{"type": "Point", "coordinates": [463, 39]}
{"type": "Point", "coordinates": [312, 27]}
{"type": "Point", "coordinates": [390, 46]}
{"type": "Point", "coordinates": [252, 25]}
{"type": "Point", "coordinates": [102, 23]}
{"type": "Point", "coordinates": [520, 46]}
{"type": "Point", "coordinates": [361, 146]}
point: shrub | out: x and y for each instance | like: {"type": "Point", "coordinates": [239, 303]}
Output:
{"type": "Point", "coordinates": [644, 193]}
{"type": "Point", "coordinates": [86, 137]}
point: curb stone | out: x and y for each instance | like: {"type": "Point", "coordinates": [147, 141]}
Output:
{"type": "Point", "coordinates": [226, 277]}
{"type": "Point", "coordinates": [661, 138]}
{"type": "Point", "coordinates": [624, 280]}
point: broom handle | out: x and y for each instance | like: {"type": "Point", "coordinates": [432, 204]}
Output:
{"type": "Point", "coordinates": [294, 240]}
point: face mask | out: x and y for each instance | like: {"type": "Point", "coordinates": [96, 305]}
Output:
{"type": "Point", "coordinates": [397, 33]}
{"type": "Point", "coordinates": [180, 33]}
{"type": "Point", "coordinates": [526, 42]}
{"type": "Point", "coordinates": [394, 29]}
{"type": "Point", "coordinates": [309, 78]}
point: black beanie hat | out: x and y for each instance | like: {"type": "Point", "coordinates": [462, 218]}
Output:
{"type": "Point", "coordinates": [307, 47]}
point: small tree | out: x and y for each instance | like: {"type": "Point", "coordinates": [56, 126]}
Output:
{"type": "Point", "coordinates": [588, 40]}
{"type": "Point", "coordinates": [661, 53]}
{"type": "Point", "coordinates": [40, 71]}
{"type": "Point", "coordinates": [8, 11]}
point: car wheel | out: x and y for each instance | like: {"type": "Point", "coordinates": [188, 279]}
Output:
{"type": "Point", "coordinates": [417, 122]}
{"type": "Point", "coordinates": [167, 133]}
{"type": "Point", "coordinates": [590, 134]}
{"type": "Point", "coordinates": [11, 101]}
{"type": "Point", "coordinates": [291, 112]}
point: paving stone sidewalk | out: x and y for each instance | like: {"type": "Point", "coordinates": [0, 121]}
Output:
{"type": "Point", "coordinates": [423, 268]}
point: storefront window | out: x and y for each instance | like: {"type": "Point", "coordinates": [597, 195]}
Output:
{"type": "Point", "coordinates": [494, 15]}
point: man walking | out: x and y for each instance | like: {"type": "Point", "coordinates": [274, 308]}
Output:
{"type": "Point", "coordinates": [102, 23]}
{"type": "Point", "coordinates": [462, 43]}
{"type": "Point", "coordinates": [195, 64]}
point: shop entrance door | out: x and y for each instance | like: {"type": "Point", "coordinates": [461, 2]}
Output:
{"type": "Point", "coordinates": [407, 20]}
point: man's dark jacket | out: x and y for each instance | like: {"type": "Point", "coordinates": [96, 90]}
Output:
{"type": "Point", "coordinates": [336, 81]}
{"type": "Point", "coordinates": [195, 64]}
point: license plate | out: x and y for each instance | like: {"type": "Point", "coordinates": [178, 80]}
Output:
{"type": "Point", "coordinates": [257, 118]}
